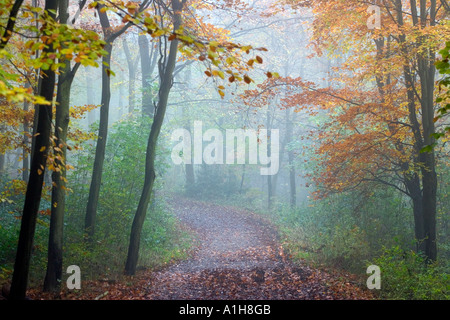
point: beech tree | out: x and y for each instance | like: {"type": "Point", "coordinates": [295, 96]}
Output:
{"type": "Point", "coordinates": [385, 133]}
{"type": "Point", "coordinates": [110, 36]}
{"type": "Point", "coordinates": [67, 73]}
{"type": "Point", "coordinates": [56, 41]}
{"type": "Point", "coordinates": [36, 180]}
{"type": "Point", "coordinates": [166, 74]}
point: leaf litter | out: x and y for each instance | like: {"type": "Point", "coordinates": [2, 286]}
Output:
{"type": "Point", "coordinates": [238, 257]}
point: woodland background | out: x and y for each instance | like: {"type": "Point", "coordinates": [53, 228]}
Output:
{"type": "Point", "coordinates": [91, 90]}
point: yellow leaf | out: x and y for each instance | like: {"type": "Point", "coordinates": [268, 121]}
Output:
{"type": "Point", "coordinates": [230, 60]}
{"type": "Point", "coordinates": [218, 73]}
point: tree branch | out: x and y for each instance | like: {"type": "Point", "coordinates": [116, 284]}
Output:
{"type": "Point", "coordinates": [11, 23]}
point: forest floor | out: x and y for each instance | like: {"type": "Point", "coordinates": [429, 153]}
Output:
{"type": "Point", "coordinates": [238, 256]}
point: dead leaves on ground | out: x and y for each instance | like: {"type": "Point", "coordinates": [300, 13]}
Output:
{"type": "Point", "coordinates": [279, 283]}
{"type": "Point", "coordinates": [238, 258]}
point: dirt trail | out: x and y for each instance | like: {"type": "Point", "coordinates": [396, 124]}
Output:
{"type": "Point", "coordinates": [229, 239]}
{"type": "Point", "coordinates": [239, 257]}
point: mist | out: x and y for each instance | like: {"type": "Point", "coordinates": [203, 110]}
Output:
{"type": "Point", "coordinates": [226, 150]}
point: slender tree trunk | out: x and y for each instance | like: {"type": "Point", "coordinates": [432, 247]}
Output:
{"type": "Point", "coordinates": [94, 190]}
{"type": "Point", "coordinates": [2, 155]}
{"type": "Point", "coordinates": [292, 185]}
{"type": "Point", "coordinates": [2, 164]}
{"type": "Point", "coordinates": [166, 84]}
{"type": "Point", "coordinates": [38, 80]}
{"type": "Point", "coordinates": [25, 152]}
{"type": "Point", "coordinates": [90, 96]}
{"type": "Point", "coordinates": [269, 151]}
{"type": "Point", "coordinates": [412, 183]}
{"type": "Point", "coordinates": [423, 132]}
{"type": "Point", "coordinates": [35, 183]}
{"type": "Point", "coordinates": [428, 168]}
{"type": "Point", "coordinates": [55, 245]}
{"type": "Point", "coordinates": [8, 30]}
{"type": "Point", "coordinates": [35, 122]}
{"type": "Point", "coordinates": [131, 77]}
{"type": "Point", "coordinates": [189, 167]}
{"type": "Point", "coordinates": [411, 180]}
{"type": "Point", "coordinates": [144, 51]}
{"type": "Point", "coordinates": [241, 186]}
{"type": "Point", "coordinates": [427, 71]}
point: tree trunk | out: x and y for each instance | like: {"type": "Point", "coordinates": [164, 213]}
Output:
{"type": "Point", "coordinates": [423, 132]}
{"type": "Point", "coordinates": [144, 51]}
{"type": "Point", "coordinates": [8, 30]}
{"type": "Point", "coordinates": [121, 94]}
{"type": "Point", "coordinates": [241, 185]}
{"type": "Point", "coordinates": [90, 97]}
{"type": "Point", "coordinates": [269, 177]}
{"type": "Point", "coordinates": [94, 190]}
{"type": "Point", "coordinates": [292, 185]}
{"type": "Point", "coordinates": [428, 168]}
{"type": "Point", "coordinates": [131, 77]}
{"type": "Point", "coordinates": [189, 167]}
{"type": "Point", "coordinates": [166, 84]}
{"type": "Point", "coordinates": [36, 179]}
{"type": "Point", "coordinates": [35, 121]}
{"type": "Point", "coordinates": [25, 152]}
{"type": "Point", "coordinates": [413, 187]}
{"type": "Point", "coordinates": [2, 154]}
{"type": "Point", "coordinates": [53, 276]}
{"type": "Point", "coordinates": [426, 71]}
{"type": "Point", "coordinates": [2, 164]}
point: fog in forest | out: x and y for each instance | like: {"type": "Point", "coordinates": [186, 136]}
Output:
{"type": "Point", "coordinates": [231, 149]}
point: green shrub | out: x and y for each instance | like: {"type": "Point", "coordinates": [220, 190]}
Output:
{"type": "Point", "coordinates": [11, 207]}
{"type": "Point", "coordinates": [122, 182]}
{"type": "Point", "coordinates": [406, 276]}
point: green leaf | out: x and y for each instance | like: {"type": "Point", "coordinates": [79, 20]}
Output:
{"type": "Point", "coordinates": [428, 148]}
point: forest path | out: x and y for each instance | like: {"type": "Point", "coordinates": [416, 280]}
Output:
{"type": "Point", "coordinates": [238, 257]}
